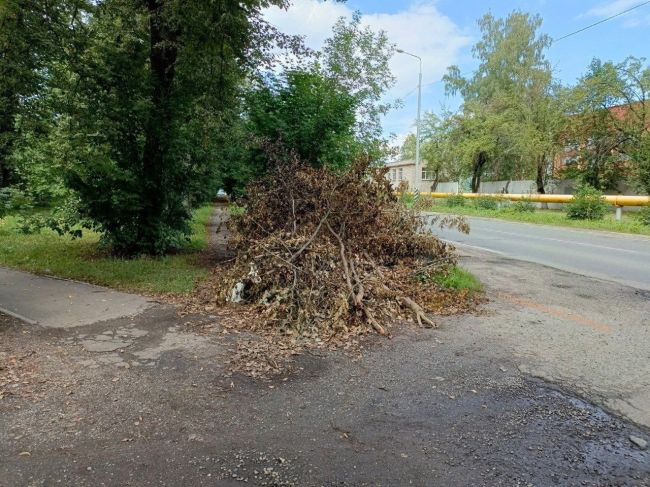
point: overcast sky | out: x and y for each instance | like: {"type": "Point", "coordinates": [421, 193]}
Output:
{"type": "Point", "coordinates": [443, 31]}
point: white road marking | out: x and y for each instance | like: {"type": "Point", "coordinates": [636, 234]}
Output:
{"type": "Point", "coordinates": [582, 231]}
{"type": "Point", "coordinates": [518, 235]}
{"type": "Point", "coordinates": [457, 244]}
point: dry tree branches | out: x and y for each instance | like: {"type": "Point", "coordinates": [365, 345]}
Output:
{"type": "Point", "coordinates": [321, 252]}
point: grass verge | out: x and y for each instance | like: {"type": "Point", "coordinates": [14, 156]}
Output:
{"type": "Point", "coordinates": [81, 259]}
{"type": "Point", "coordinates": [459, 279]}
{"type": "Point", "coordinates": [631, 222]}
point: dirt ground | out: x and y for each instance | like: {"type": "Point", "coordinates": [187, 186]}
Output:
{"type": "Point", "coordinates": [586, 335]}
{"type": "Point", "coordinates": [149, 401]}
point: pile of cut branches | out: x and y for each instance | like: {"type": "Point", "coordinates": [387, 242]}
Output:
{"type": "Point", "coordinates": [323, 252]}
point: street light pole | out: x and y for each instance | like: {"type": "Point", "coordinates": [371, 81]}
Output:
{"type": "Point", "coordinates": [417, 122]}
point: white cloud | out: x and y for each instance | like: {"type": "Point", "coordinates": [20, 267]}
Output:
{"type": "Point", "coordinates": [420, 28]}
{"type": "Point", "coordinates": [630, 20]}
{"type": "Point", "coordinates": [611, 8]}
{"type": "Point", "coordinates": [637, 21]}
{"type": "Point", "coordinates": [309, 18]}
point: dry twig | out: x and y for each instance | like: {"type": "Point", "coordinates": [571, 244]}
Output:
{"type": "Point", "coordinates": [356, 275]}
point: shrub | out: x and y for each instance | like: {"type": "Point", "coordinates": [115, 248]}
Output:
{"type": "Point", "coordinates": [5, 202]}
{"type": "Point", "coordinates": [31, 224]}
{"type": "Point", "coordinates": [486, 203]}
{"type": "Point", "coordinates": [12, 200]}
{"type": "Point", "coordinates": [523, 206]}
{"type": "Point", "coordinates": [455, 200]}
{"type": "Point", "coordinates": [587, 204]}
{"type": "Point", "coordinates": [645, 215]}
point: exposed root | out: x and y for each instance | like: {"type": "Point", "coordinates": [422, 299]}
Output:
{"type": "Point", "coordinates": [421, 317]}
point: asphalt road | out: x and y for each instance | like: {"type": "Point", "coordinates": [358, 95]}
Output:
{"type": "Point", "coordinates": [430, 407]}
{"type": "Point", "coordinates": [547, 384]}
{"type": "Point", "coordinates": [615, 257]}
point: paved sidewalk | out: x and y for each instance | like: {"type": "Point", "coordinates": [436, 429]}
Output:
{"type": "Point", "coordinates": [58, 303]}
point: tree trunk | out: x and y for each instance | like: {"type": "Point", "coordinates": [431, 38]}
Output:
{"type": "Point", "coordinates": [162, 57]}
{"type": "Point", "coordinates": [14, 59]}
{"type": "Point", "coordinates": [479, 165]}
{"type": "Point", "coordinates": [5, 174]}
{"type": "Point", "coordinates": [540, 179]}
{"type": "Point", "coordinates": [541, 173]}
{"type": "Point", "coordinates": [7, 136]}
{"type": "Point", "coordinates": [8, 100]}
{"type": "Point", "coordinates": [436, 180]}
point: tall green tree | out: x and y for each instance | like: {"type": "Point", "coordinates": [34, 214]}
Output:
{"type": "Point", "coordinates": [19, 23]}
{"type": "Point", "coordinates": [611, 123]}
{"type": "Point", "coordinates": [540, 127]}
{"type": "Point", "coordinates": [34, 34]}
{"type": "Point", "coordinates": [476, 135]}
{"type": "Point", "coordinates": [407, 150]}
{"type": "Point", "coordinates": [507, 122]}
{"type": "Point", "coordinates": [327, 109]}
{"type": "Point", "coordinates": [309, 114]}
{"type": "Point", "coordinates": [358, 59]}
{"type": "Point", "coordinates": [438, 153]}
{"type": "Point", "coordinates": [149, 106]}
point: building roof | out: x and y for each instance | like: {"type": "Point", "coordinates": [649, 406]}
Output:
{"type": "Point", "coordinates": [402, 163]}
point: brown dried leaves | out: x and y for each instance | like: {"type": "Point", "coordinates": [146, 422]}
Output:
{"type": "Point", "coordinates": [321, 253]}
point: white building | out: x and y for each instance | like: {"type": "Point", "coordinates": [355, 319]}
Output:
{"type": "Point", "coordinates": [399, 171]}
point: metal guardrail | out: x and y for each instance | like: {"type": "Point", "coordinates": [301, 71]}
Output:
{"type": "Point", "coordinates": [619, 201]}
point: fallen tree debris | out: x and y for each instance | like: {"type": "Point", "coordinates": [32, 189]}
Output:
{"type": "Point", "coordinates": [321, 253]}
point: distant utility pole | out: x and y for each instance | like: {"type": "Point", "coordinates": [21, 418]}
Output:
{"type": "Point", "coordinates": [418, 174]}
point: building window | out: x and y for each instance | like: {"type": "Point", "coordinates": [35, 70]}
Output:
{"type": "Point", "coordinates": [427, 175]}
{"type": "Point", "coordinates": [401, 173]}
{"type": "Point", "coordinates": [393, 175]}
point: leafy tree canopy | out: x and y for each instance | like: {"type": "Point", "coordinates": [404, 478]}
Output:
{"type": "Point", "coordinates": [149, 102]}
{"type": "Point", "coordinates": [610, 123]}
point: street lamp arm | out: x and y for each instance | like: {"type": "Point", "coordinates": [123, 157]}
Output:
{"type": "Point", "coordinates": [417, 123]}
{"type": "Point", "coordinates": [402, 51]}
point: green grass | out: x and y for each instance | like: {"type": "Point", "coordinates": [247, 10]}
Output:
{"type": "Point", "coordinates": [82, 259]}
{"type": "Point", "coordinates": [630, 223]}
{"type": "Point", "coordinates": [458, 278]}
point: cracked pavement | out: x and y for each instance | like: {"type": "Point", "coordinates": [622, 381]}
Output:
{"type": "Point", "coordinates": [546, 385]}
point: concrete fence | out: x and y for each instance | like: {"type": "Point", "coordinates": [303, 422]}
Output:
{"type": "Point", "coordinates": [617, 201]}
